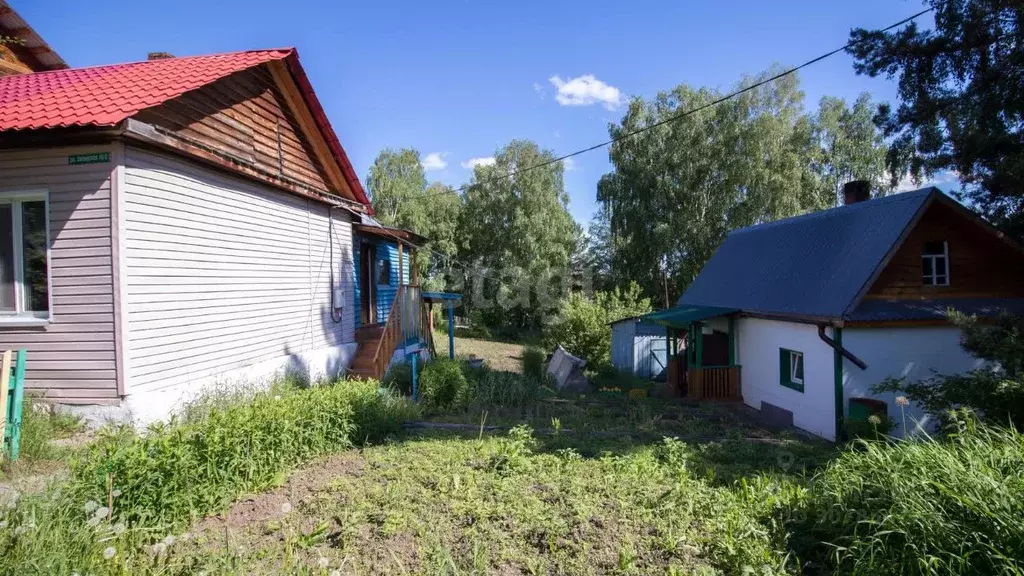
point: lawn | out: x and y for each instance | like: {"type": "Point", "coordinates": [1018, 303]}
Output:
{"type": "Point", "coordinates": [612, 496]}
{"type": "Point", "coordinates": [501, 356]}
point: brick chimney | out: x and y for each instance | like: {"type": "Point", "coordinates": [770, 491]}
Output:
{"type": "Point", "coordinates": [856, 191]}
{"type": "Point", "coordinates": [159, 56]}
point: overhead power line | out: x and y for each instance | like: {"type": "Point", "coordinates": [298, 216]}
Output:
{"type": "Point", "coordinates": [662, 122]}
{"type": "Point", "coordinates": [673, 118]}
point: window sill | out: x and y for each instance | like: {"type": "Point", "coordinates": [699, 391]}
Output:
{"type": "Point", "coordinates": [18, 322]}
{"type": "Point", "coordinates": [792, 386]}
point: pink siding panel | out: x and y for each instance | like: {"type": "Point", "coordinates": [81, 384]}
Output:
{"type": "Point", "coordinates": [72, 359]}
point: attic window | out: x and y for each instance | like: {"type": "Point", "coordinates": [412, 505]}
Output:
{"type": "Point", "coordinates": [935, 264]}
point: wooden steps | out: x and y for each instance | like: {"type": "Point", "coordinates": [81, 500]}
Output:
{"type": "Point", "coordinates": [368, 339]}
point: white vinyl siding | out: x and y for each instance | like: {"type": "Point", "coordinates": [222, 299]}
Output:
{"type": "Point", "coordinates": [221, 273]}
{"type": "Point", "coordinates": [71, 359]}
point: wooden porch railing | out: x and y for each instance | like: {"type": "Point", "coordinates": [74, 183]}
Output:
{"type": "Point", "coordinates": [389, 336]}
{"type": "Point", "coordinates": [713, 383]}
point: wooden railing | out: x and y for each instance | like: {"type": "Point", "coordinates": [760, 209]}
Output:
{"type": "Point", "coordinates": [713, 383]}
{"type": "Point", "coordinates": [389, 336]}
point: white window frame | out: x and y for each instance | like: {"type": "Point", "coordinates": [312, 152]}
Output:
{"type": "Point", "coordinates": [795, 358]}
{"type": "Point", "coordinates": [934, 258]}
{"type": "Point", "coordinates": [20, 316]}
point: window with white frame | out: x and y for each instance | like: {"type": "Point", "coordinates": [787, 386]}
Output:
{"type": "Point", "coordinates": [24, 255]}
{"type": "Point", "coordinates": [791, 369]}
{"type": "Point", "coordinates": [935, 264]}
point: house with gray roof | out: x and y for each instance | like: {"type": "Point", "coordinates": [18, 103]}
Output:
{"type": "Point", "coordinates": [801, 317]}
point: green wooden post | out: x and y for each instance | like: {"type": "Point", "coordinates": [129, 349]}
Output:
{"type": "Point", "coordinates": [837, 335]}
{"type": "Point", "coordinates": [17, 399]}
{"type": "Point", "coordinates": [451, 329]}
{"type": "Point", "coordinates": [732, 340]}
{"type": "Point", "coordinates": [699, 337]}
{"type": "Point", "coordinates": [415, 381]}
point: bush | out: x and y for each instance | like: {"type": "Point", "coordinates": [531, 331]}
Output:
{"type": "Point", "coordinates": [583, 326]}
{"type": "Point", "coordinates": [950, 506]}
{"type": "Point", "coordinates": [180, 471]}
{"type": "Point", "coordinates": [533, 360]}
{"type": "Point", "coordinates": [444, 386]}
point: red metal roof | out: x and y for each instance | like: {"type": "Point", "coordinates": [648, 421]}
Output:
{"type": "Point", "coordinates": [105, 95]}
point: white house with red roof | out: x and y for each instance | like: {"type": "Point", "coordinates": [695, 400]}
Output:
{"type": "Point", "coordinates": [176, 223]}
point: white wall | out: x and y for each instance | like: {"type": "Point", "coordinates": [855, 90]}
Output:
{"type": "Point", "coordinates": [757, 352]}
{"type": "Point", "coordinates": [915, 353]}
{"type": "Point", "coordinates": [226, 280]}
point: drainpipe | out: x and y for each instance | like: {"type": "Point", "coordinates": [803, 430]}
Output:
{"type": "Point", "coordinates": [839, 348]}
{"type": "Point", "coordinates": [838, 354]}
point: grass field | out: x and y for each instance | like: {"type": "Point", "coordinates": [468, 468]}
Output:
{"type": "Point", "coordinates": [610, 498]}
{"type": "Point", "coordinates": [501, 356]}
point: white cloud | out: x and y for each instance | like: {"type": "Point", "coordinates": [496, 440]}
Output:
{"type": "Point", "coordinates": [569, 164]}
{"type": "Point", "coordinates": [434, 161]}
{"type": "Point", "coordinates": [906, 184]}
{"type": "Point", "coordinates": [474, 162]}
{"type": "Point", "coordinates": [942, 179]}
{"type": "Point", "coordinates": [539, 90]}
{"type": "Point", "coordinates": [586, 90]}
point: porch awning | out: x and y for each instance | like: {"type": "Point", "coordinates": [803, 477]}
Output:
{"type": "Point", "coordinates": [680, 316]}
{"type": "Point", "coordinates": [434, 297]}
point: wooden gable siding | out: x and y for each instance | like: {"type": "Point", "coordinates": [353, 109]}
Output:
{"type": "Point", "coordinates": [980, 264]}
{"type": "Point", "coordinates": [12, 63]}
{"type": "Point", "coordinates": [72, 360]}
{"type": "Point", "coordinates": [246, 117]}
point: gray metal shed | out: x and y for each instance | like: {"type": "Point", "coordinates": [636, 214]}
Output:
{"type": "Point", "coordinates": [639, 347]}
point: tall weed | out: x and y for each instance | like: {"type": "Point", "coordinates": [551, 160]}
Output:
{"type": "Point", "coordinates": [444, 386]}
{"type": "Point", "coordinates": [130, 488]}
{"type": "Point", "coordinates": [948, 506]}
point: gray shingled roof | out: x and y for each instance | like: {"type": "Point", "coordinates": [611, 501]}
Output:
{"type": "Point", "coordinates": [813, 265]}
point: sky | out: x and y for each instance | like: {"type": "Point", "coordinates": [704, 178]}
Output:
{"type": "Point", "coordinates": [458, 79]}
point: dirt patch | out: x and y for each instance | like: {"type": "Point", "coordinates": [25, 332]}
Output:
{"type": "Point", "coordinates": [74, 441]}
{"type": "Point", "coordinates": [298, 488]}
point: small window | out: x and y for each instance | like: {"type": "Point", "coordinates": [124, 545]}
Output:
{"type": "Point", "coordinates": [24, 256]}
{"type": "Point", "coordinates": [791, 369]}
{"type": "Point", "coordinates": [935, 264]}
{"type": "Point", "coordinates": [384, 272]}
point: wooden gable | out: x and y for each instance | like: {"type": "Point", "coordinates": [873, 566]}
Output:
{"type": "Point", "coordinates": [250, 119]}
{"type": "Point", "coordinates": [981, 263]}
{"type": "Point", "coordinates": [11, 62]}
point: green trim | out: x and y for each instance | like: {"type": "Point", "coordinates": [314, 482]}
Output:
{"type": "Point", "coordinates": [785, 378]}
{"type": "Point", "coordinates": [837, 335]}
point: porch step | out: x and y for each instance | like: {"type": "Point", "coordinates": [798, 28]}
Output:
{"type": "Point", "coordinates": [370, 333]}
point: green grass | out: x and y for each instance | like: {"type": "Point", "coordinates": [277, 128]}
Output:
{"type": "Point", "coordinates": [39, 455]}
{"type": "Point", "coordinates": [127, 487]}
{"type": "Point", "coordinates": [953, 506]}
{"type": "Point", "coordinates": [501, 356]}
{"type": "Point", "coordinates": [444, 503]}
{"type": "Point", "coordinates": [590, 485]}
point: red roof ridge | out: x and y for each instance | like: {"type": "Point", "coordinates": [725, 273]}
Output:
{"type": "Point", "coordinates": [285, 51]}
